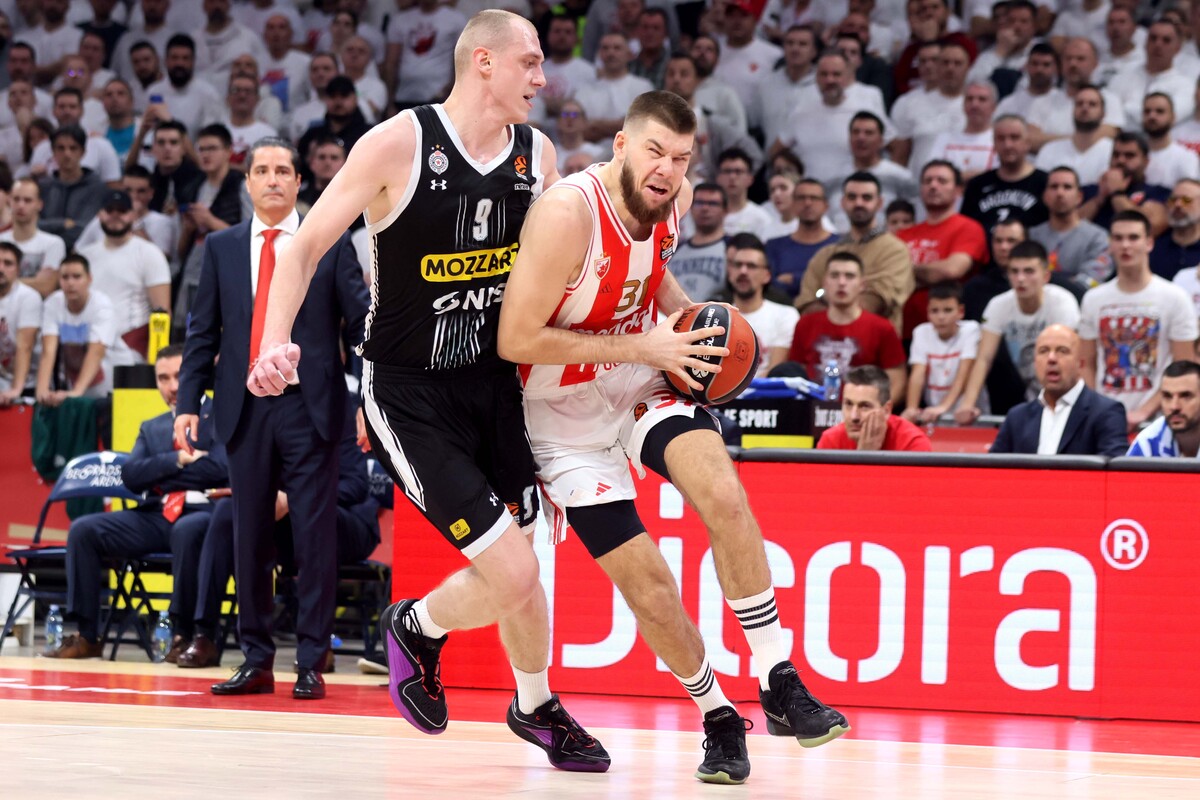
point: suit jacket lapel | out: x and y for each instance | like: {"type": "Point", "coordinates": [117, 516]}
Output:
{"type": "Point", "coordinates": [1075, 419]}
{"type": "Point", "coordinates": [240, 264]}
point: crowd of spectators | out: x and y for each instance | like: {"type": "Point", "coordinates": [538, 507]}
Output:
{"type": "Point", "coordinates": [930, 183]}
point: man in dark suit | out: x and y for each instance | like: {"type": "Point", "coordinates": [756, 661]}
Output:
{"type": "Point", "coordinates": [287, 442]}
{"type": "Point", "coordinates": [173, 518]}
{"type": "Point", "coordinates": [357, 538]}
{"type": "Point", "coordinates": [1067, 418]}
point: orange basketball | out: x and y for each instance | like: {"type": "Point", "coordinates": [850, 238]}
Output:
{"type": "Point", "coordinates": [737, 368]}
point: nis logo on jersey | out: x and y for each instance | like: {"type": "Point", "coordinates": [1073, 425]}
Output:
{"type": "Point", "coordinates": [447, 267]}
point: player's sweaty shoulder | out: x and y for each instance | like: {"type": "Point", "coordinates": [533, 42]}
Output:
{"type": "Point", "coordinates": [388, 148]}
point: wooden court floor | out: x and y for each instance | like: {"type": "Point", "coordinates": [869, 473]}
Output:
{"type": "Point", "coordinates": [98, 729]}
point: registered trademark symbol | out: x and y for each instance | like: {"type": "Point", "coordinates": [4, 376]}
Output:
{"type": "Point", "coordinates": [1124, 544]}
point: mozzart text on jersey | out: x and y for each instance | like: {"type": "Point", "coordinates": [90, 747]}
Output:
{"type": "Point", "coordinates": [445, 267]}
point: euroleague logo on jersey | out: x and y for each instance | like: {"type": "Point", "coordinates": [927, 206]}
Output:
{"type": "Point", "coordinates": [666, 247]}
{"type": "Point", "coordinates": [520, 166]}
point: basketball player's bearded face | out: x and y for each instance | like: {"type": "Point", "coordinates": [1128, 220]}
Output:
{"type": "Point", "coordinates": [652, 171]}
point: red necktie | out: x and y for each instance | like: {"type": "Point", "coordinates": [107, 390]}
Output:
{"type": "Point", "coordinates": [172, 502]}
{"type": "Point", "coordinates": [266, 267]}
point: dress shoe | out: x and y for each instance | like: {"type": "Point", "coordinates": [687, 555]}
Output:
{"type": "Point", "coordinates": [178, 645]}
{"type": "Point", "coordinates": [309, 685]}
{"type": "Point", "coordinates": [75, 646]}
{"type": "Point", "coordinates": [247, 680]}
{"type": "Point", "coordinates": [326, 666]}
{"type": "Point", "coordinates": [202, 652]}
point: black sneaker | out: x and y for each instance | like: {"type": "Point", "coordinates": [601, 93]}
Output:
{"type": "Point", "coordinates": [792, 710]}
{"type": "Point", "coordinates": [415, 682]}
{"type": "Point", "coordinates": [567, 744]}
{"type": "Point", "coordinates": [725, 757]}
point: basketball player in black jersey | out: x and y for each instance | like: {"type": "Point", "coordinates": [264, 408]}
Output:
{"type": "Point", "coordinates": [445, 189]}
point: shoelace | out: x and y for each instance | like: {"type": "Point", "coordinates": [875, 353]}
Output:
{"type": "Point", "coordinates": [431, 679]}
{"type": "Point", "coordinates": [561, 719]}
{"type": "Point", "coordinates": [794, 692]}
{"type": "Point", "coordinates": [726, 735]}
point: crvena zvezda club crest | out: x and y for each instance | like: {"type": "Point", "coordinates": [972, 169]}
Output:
{"type": "Point", "coordinates": [602, 263]}
{"type": "Point", "coordinates": [438, 162]}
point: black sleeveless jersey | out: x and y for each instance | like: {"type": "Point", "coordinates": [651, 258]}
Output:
{"type": "Point", "coordinates": [441, 257]}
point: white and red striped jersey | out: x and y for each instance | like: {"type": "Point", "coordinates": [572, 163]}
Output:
{"type": "Point", "coordinates": [614, 293]}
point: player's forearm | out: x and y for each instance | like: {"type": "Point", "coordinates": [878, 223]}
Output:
{"type": "Point", "coordinates": [558, 346]}
{"type": "Point", "coordinates": [289, 285]}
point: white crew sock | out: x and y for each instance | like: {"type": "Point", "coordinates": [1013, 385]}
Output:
{"type": "Point", "coordinates": [533, 689]}
{"type": "Point", "coordinates": [704, 689]}
{"type": "Point", "coordinates": [425, 624]}
{"type": "Point", "coordinates": [764, 634]}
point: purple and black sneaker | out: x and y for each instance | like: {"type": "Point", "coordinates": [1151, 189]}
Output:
{"type": "Point", "coordinates": [567, 744]}
{"type": "Point", "coordinates": [414, 673]}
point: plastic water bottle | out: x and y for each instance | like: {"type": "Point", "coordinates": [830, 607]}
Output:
{"type": "Point", "coordinates": [833, 381]}
{"type": "Point", "coordinates": [162, 636]}
{"type": "Point", "coordinates": [54, 628]}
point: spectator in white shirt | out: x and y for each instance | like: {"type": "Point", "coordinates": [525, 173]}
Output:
{"type": "Point", "coordinates": [145, 70]}
{"type": "Point", "coordinates": [932, 113]}
{"type": "Point", "coordinates": [712, 93]}
{"type": "Point", "coordinates": [1079, 62]}
{"type": "Point", "coordinates": [1122, 47]}
{"type": "Point", "coordinates": [41, 252]}
{"type": "Point", "coordinates": [53, 40]}
{"type": "Point", "coordinates": [20, 323]}
{"type": "Point", "coordinates": [972, 149]}
{"type": "Point", "coordinates": [746, 60]}
{"type": "Point", "coordinates": [735, 174]}
{"type": "Point", "coordinates": [1087, 150]}
{"type": "Point", "coordinates": [565, 72]}
{"type": "Point", "coordinates": [1157, 74]}
{"type": "Point", "coordinates": [321, 69]}
{"type": "Point", "coordinates": [572, 122]}
{"type": "Point", "coordinates": [358, 67]}
{"type": "Point", "coordinates": [132, 272]}
{"type": "Point", "coordinates": [284, 70]}
{"type": "Point", "coordinates": [99, 155]}
{"type": "Point", "coordinates": [816, 129]}
{"type": "Point", "coordinates": [420, 53]}
{"type": "Point", "coordinates": [782, 88]}
{"type": "Point", "coordinates": [226, 40]}
{"type": "Point", "coordinates": [773, 323]}
{"type": "Point", "coordinates": [1170, 161]}
{"type": "Point", "coordinates": [1135, 324]}
{"type": "Point", "coordinates": [1014, 39]}
{"type": "Point", "coordinates": [1187, 133]}
{"type": "Point", "coordinates": [607, 98]}
{"type": "Point", "coordinates": [1040, 102]}
{"type": "Point", "coordinates": [20, 63]}
{"type": "Point", "coordinates": [194, 103]}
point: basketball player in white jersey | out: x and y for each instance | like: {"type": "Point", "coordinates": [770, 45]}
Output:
{"type": "Point", "coordinates": [588, 280]}
{"type": "Point", "coordinates": [445, 189]}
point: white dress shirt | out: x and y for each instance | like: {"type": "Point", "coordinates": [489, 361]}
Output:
{"type": "Point", "coordinates": [287, 229]}
{"type": "Point", "coordinates": [1054, 420]}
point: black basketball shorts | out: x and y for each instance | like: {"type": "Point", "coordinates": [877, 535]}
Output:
{"type": "Point", "coordinates": [458, 449]}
